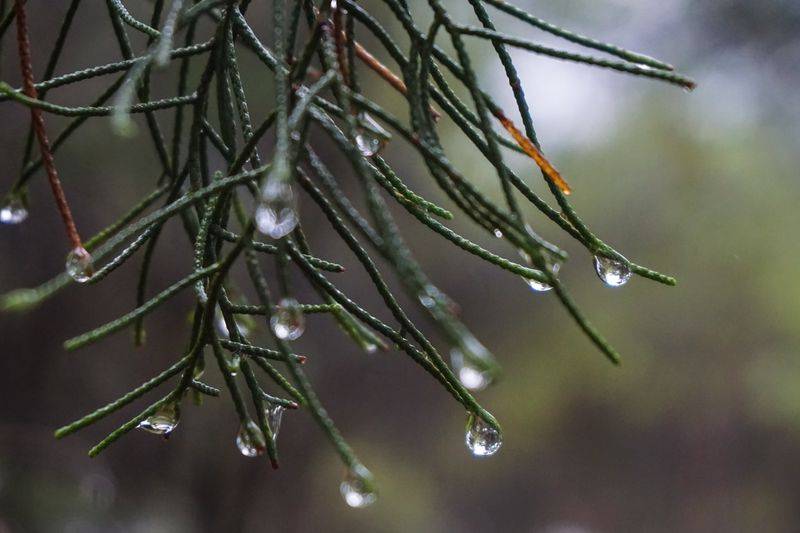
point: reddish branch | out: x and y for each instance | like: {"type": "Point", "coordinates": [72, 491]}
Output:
{"type": "Point", "coordinates": [38, 125]}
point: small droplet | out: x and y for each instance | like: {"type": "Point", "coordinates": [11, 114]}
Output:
{"type": "Point", "coordinates": [79, 265]}
{"type": "Point", "coordinates": [233, 361]}
{"type": "Point", "coordinates": [164, 420]}
{"type": "Point", "coordinates": [276, 215]}
{"type": "Point", "coordinates": [612, 272]}
{"type": "Point", "coordinates": [482, 439]}
{"type": "Point", "coordinates": [536, 285]}
{"type": "Point", "coordinates": [498, 233]}
{"type": "Point", "coordinates": [357, 488]}
{"type": "Point", "coordinates": [472, 362]}
{"type": "Point", "coordinates": [540, 286]}
{"type": "Point", "coordinates": [370, 136]}
{"type": "Point", "coordinates": [288, 321]}
{"type": "Point", "coordinates": [13, 211]}
{"type": "Point", "coordinates": [274, 417]}
{"type": "Point", "coordinates": [472, 377]}
{"type": "Point", "coordinates": [222, 327]}
{"type": "Point", "coordinates": [250, 440]}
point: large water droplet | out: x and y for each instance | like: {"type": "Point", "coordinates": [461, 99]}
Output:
{"type": "Point", "coordinates": [274, 416]}
{"type": "Point", "coordinates": [164, 420]}
{"type": "Point", "coordinates": [358, 487]}
{"type": "Point", "coordinates": [613, 272]}
{"type": "Point", "coordinates": [276, 215]}
{"type": "Point", "coordinates": [13, 211]}
{"type": "Point", "coordinates": [370, 136]}
{"type": "Point", "coordinates": [250, 440]}
{"type": "Point", "coordinates": [288, 321]}
{"type": "Point", "coordinates": [482, 439]}
{"type": "Point", "coordinates": [79, 265]}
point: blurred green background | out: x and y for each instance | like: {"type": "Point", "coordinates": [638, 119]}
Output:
{"type": "Point", "coordinates": [697, 431]}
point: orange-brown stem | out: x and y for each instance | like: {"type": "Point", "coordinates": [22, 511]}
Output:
{"type": "Point", "coordinates": [534, 153]}
{"type": "Point", "coordinates": [38, 125]}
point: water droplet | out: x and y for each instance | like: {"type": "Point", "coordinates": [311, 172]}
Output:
{"type": "Point", "coordinates": [612, 272]}
{"type": "Point", "coordinates": [233, 360]}
{"type": "Point", "coordinates": [13, 211]}
{"type": "Point", "coordinates": [357, 488]}
{"type": "Point", "coordinates": [276, 215]}
{"type": "Point", "coordinates": [164, 420]}
{"type": "Point", "coordinates": [274, 416]}
{"type": "Point", "coordinates": [534, 284]}
{"type": "Point", "coordinates": [288, 321]}
{"type": "Point", "coordinates": [79, 265]}
{"type": "Point", "coordinates": [482, 439]}
{"type": "Point", "coordinates": [222, 327]}
{"type": "Point", "coordinates": [540, 286]}
{"type": "Point", "coordinates": [498, 233]}
{"type": "Point", "coordinates": [250, 440]}
{"type": "Point", "coordinates": [472, 377]}
{"type": "Point", "coordinates": [370, 136]}
{"type": "Point", "coordinates": [471, 362]}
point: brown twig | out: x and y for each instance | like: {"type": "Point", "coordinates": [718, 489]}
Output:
{"type": "Point", "coordinates": [38, 125]}
{"type": "Point", "coordinates": [533, 152]}
{"type": "Point", "coordinates": [383, 71]}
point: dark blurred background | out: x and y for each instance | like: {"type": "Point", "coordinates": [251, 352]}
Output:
{"type": "Point", "coordinates": [698, 430]}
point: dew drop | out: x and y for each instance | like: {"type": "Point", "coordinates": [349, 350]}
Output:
{"type": "Point", "coordinates": [288, 321]}
{"type": "Point", "coordinates": [222, 327]}
{"type": "Point", "coordinates": [357, 488]}
{"type": "Point", "coordinates": [233, 360]}
{"type": "Point", "coordinates": [274, 415]}
{"type": "Point", "coordinates": [164, 420]}
{"type": "Point", "coordinates": [80, 266]}
{"type": "Point", "coordinates": [13, 211]}
{"type": "Point", "coordinates": [370, 136]}
{"type": "Point", "coordinates": [498, 233]}
{"type": "Point", "coordinates": [482, 439]}
{"type": "Point", "coordinates": [276, 215]}
{"type": "Point", "coordinates": [534, 284]}
{"type": "Point", "coordinates": [467, 359]}
{"type": "Point", "coordinates": [250, 440]}
{"type": "Point", "coordinates": [612, 272]}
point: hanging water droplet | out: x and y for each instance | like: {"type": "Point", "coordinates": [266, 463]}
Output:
{"type": "Point", "coordinates": [472, 377]}
{"type": "Point", "coordinates": [370, 136]}
{"type": "Point", "coordinates": [482, 439]}
{"type": "Point", "coordinates": [274, 416]}
{"type": "Point", "coordinates": [13, 211]}
{"type": "Point", "coordinates": [612, 272]}
{"type": "Point", "coordinates": [250, 440]}
{"type": "Point", "coordinates": [222, 327]}
{"type": "Point", "coordinates": [357, 488]}
{"type": "Point", "coordinates": [233, 361]}
{"type": "Point", "coordinates": [79, 265]}
{"type": "Point", "coordinates": [276, 215]}
{"type": "Point", "coordinates": [164, 420]}
{"type": "Point", "coordinates": [498, 233]}
{"type": "Point", "coordinates": [541, 286]}
{"type": "Point", "coordinates": [535, 284]}
{"type": "Point", "coordinates": [288, 321]}
{"type": "Point", "coordinates": [471, 362]}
